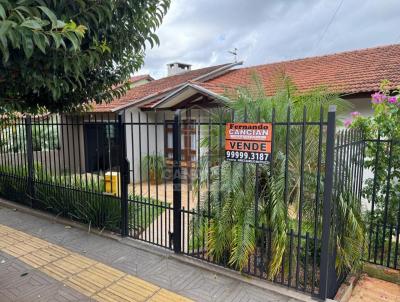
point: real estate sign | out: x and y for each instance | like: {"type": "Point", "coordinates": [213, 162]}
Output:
{"type": "Point", "coordinates": [248, 142]}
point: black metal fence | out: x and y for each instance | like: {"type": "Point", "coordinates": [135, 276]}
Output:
{"type": "Point", "coordinates": [347, 226]}
{"type": "Point", "coordinates": [46, 163]}
{"type": "Point", "coordinates": [180, 178]}
{"type": "Point", "coordinates": [162, 177]}
{"type": "Point", "coordinates": [382, 190]}
{"type": "Point", "coordinates": [291, 189]}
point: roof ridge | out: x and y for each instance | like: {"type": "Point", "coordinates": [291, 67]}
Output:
{"type": "Point", "coordinates": [193, 70]}
{"type": "Point", "coordinates": [225, 67]}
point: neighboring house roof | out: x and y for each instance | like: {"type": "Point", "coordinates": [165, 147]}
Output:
{"type": "Point", "coordinates": [141, 77]}
{"type": "Point", "coordinates": [158, 88]}
{"type": "Point", "coordinates": [346, 73]}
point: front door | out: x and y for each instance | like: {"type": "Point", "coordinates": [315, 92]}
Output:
{"type": "Point", "coordinates": [101, 146]}
{"type": "Point", "coordinates": [188, 144]}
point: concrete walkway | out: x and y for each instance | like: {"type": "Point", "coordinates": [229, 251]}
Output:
{"type": "Point", "coordinates": [133, 264]}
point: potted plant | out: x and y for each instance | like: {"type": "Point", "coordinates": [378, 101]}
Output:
{"type": "Point", "coordinates": [153, 166]}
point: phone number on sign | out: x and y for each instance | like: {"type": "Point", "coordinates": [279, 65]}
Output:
{"type": "Point", "coordinates": [256, 157]}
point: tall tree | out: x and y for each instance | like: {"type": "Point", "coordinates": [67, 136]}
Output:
{"type": "Point", "coordinates": [62, 54]}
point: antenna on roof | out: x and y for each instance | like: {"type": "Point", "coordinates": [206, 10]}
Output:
{"type": "Point", "coordinates": [235, 53]}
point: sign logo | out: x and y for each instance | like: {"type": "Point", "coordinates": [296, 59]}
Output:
{"type": "Point", "coordinates": [248, 142]}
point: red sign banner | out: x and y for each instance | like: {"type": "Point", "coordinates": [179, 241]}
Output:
{"type": "Point", "coordinates": [248, 142]}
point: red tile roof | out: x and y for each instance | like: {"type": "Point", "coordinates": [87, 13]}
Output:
{"type": "Point", "coordinates": [346, 73]}
{"type": "Point", "coordinates": [141, 77]}
{"type": "Point", "coordinates": [154, 88]}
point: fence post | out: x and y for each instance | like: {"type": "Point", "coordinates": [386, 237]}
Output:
{"type": "Point", "coordinates": [124, 175]}
{"type": "Point", "coordinates": [29, 158]}
{"type": "Point", "coordinates": [176, 172]}
{"type": "Point", "coordinates": [326, 214]}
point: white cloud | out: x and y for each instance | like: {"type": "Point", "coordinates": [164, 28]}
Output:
{"type": "Point", "coordinates": [201, 32]}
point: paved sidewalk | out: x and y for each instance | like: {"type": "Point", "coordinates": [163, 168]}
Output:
{"type": "Point", "coordinates": [90, 278]}
{"type": "Point", "coordinates": [163, 274]}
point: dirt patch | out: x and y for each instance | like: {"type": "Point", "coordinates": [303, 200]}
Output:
{"type": "Point", "coordinates": [370, 289]}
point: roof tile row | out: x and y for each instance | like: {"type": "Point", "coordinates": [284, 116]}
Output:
{"type": "Point", "coordinates": [347, 73]}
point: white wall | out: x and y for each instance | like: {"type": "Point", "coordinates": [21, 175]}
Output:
{"type": "Point", "coordinates": [150, 144]}
{"type": "Point", "coordinates": [362, 105]}
{"type": "Point", "coordinates": [142, 140]}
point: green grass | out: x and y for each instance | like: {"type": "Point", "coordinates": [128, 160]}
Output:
{"type": "Point", "coordinates": [144, 212]}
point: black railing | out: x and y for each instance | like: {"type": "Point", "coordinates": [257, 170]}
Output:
{"type": "Point", "coordinates": [162, 177]}
{"type": "Point", "coordinates": [53, 163]}
{"type": "Point", "coordinates": [382, 191]}
{"type": "Point", "coordinates": [298, 162]}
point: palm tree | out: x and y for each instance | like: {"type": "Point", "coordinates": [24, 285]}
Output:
{"type": "Point", "coordinates": [239, 212]}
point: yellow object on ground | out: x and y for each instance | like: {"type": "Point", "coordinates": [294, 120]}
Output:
{"type": "Point", "coordinates": [112, 181]}
{"type": "Point", "coordinates": [91, 278]}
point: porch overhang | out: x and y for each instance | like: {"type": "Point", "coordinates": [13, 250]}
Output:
{"type": "Point", "coordinates": [188, 95]}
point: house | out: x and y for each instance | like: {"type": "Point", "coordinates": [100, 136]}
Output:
{"type": "Point", "coordinates": [140, 80]}
{"type": "Point", "coordinates": [353, 74]}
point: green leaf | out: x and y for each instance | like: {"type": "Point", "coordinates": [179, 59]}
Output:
{"type": "Point", "coordinates": [60, 24]}
{"type": "Point", "coordinates": [13, 37]}
{"type": "Point", "coordinates": [57, 38]}
{"type": "Point", "coordinates": [4, 27]}
{"type": "Point", "coordinates": [3, 41]}
{"type": "Point", "coordinates": [73, 39]}
{"type": "Point", "coordinates": [27, 45]}
{"type": "Point", "coordinates": [51, 16]}
{"type": "Point", "coordinates": [33, 24]}
{"type": "Point", "coordinates": [2, 12]}
{"type": "Point", "coordinates": [40, 41]}
{"type": "Point", "coordinates": [24, 9]}
{"type": "Point", "coordinates": [5, 52]}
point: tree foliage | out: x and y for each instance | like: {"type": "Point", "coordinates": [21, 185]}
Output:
{"type": "Point", "coordinates": [382, 158]}
{"type": "Point", "coordinates": [62, 54]}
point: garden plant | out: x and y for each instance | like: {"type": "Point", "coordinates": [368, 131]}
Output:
{"type": "Point", "coordinates": [382, 160]}
{"type": "Point", "coordinates": [238, 227]}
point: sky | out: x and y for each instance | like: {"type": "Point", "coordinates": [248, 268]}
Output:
{"type": "Point", "coordinates": [201, 32]}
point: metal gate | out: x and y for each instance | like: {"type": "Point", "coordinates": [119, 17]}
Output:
{"type": "Point", "coordinates": [179, 182]}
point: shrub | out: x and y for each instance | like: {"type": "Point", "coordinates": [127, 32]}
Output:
{"type": "Point", "coordinates": [154, 167]}
{"type": "Point", "coordinates": [77, 198]}
{"type": "Point", "coordinates": [74, 198]}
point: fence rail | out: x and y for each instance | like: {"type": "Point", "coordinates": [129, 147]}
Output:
{"type": "Point", "coordinates": [383, 212]}
{"type": "Point", "coordinates": [162, 177]}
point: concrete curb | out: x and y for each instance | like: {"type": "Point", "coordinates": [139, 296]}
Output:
{"type": "Point", "coordinates": [162, 252]}
{"type": "Point", "coordinates": [346, 289]}
{"type": "Point", "coordinates": [276, 288]}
